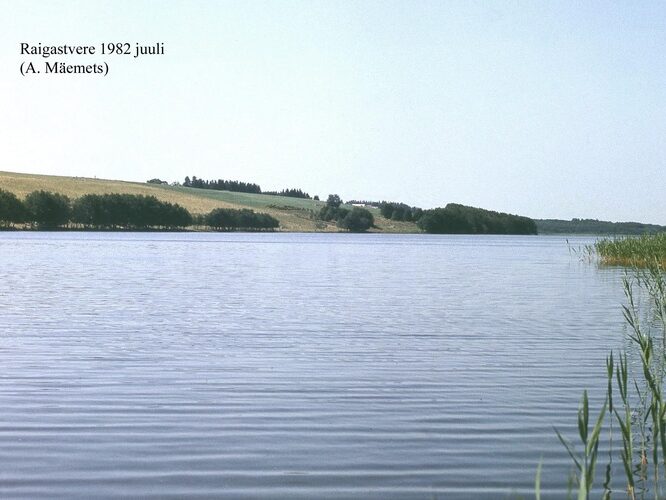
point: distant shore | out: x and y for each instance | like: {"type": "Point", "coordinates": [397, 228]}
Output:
{"type": "Point", "coordinates": [298, 215]}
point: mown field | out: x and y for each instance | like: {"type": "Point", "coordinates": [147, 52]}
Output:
{"type": "Point", "coordinates": [294, 214]}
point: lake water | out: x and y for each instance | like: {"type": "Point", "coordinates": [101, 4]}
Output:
{"type": "Point", "coordinates": [295, 365]}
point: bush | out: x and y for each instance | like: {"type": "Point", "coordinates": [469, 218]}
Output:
{"type": "Point", "coordinates": [357, 220]}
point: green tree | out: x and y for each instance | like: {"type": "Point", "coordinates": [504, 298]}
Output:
{"type": "Point", "coordinates": [47, 210]}
{"type": "Point", "coordinates": [357, 220]}
{"type": "Point", "coordinates": [333, 201]}
{"type": "Point", "coordinates": [12, 210]}
{"type": "Point", "coordinates": [331, 211]}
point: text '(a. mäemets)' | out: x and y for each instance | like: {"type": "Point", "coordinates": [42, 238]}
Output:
{"type": "Point", "coordinates": [65, 52]}
{"type": "Point", "coordinates": [61, 68]}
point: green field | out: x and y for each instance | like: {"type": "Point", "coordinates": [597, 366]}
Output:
{"type": "Point", "coordinates": [294, 214]}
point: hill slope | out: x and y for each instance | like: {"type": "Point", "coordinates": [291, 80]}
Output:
{"type": "Point", "coordinates": [294, 214]}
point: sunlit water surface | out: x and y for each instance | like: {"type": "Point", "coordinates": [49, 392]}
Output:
{"type": "Point", "coordinates": [295, 365]}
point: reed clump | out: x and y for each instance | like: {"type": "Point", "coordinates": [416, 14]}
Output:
{"type": "Point", "coordinates": [635, 403]}
{"type": "Point", "coordinates": [641, 251]}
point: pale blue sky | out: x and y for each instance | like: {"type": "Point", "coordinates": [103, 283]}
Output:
{"type": "Point", "coordinates": [546, 109]}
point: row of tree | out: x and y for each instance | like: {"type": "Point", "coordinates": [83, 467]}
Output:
{"type": "Point", "coordinates": [39, 208]}
{"type": "Point", "coordinates": [48, 210]}
{"type": "Point", "coordinates": [228, 219]}
{"type": "Point", "coordinates": [291, 193]}
{"type": "Point", "coordinates": [237, 186]}
{"type": "Point", "coordinates": [222, 185]}
{"type": "Point", "coordinates": [356, 220]}
{"type": "Point", "coordinates": [111, 211]}
{"type": "Point", "coordinates": [460, 219]}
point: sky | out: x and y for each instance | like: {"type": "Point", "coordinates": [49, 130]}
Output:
{"type": "Point", "coordinates": [547, 109]}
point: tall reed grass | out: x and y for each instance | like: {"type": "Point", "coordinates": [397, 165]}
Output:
{"type": "Point", "coordinates": [639, 251]}
{"type": "Point", "coordinates": [637, 376]}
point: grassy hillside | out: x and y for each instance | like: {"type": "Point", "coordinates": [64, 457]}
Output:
{"type": "Point", "coordinates": [294, 214]}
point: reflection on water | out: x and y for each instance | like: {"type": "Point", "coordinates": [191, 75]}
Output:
{"type": "Point", "coordinates": [294, 365]}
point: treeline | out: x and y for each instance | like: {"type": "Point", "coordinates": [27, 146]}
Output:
{"type": "Point", "coordinates": [222, 185]}
{"type": "Point", "coordinates": [40, 208]}
{"type": "Point", "coordinates": [460, 219]}
{"type": "Point", "coordinates": [292, 193]}
{"type": "Point", "coordinates": [113, 211]}
{"type": "Point", "coordinates": [46, 210]}
{"type": "Point", "coordinates": [594, 226]}
{"type": "Point", "coordinates": [228, 219]}
{"type": "Point", "coordinates": [356, 220]}
{"type": "Point", "coordinates": [240, 187]}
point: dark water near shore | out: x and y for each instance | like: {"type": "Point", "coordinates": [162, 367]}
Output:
{"type": "Point", "coordinates": [295, 365]}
